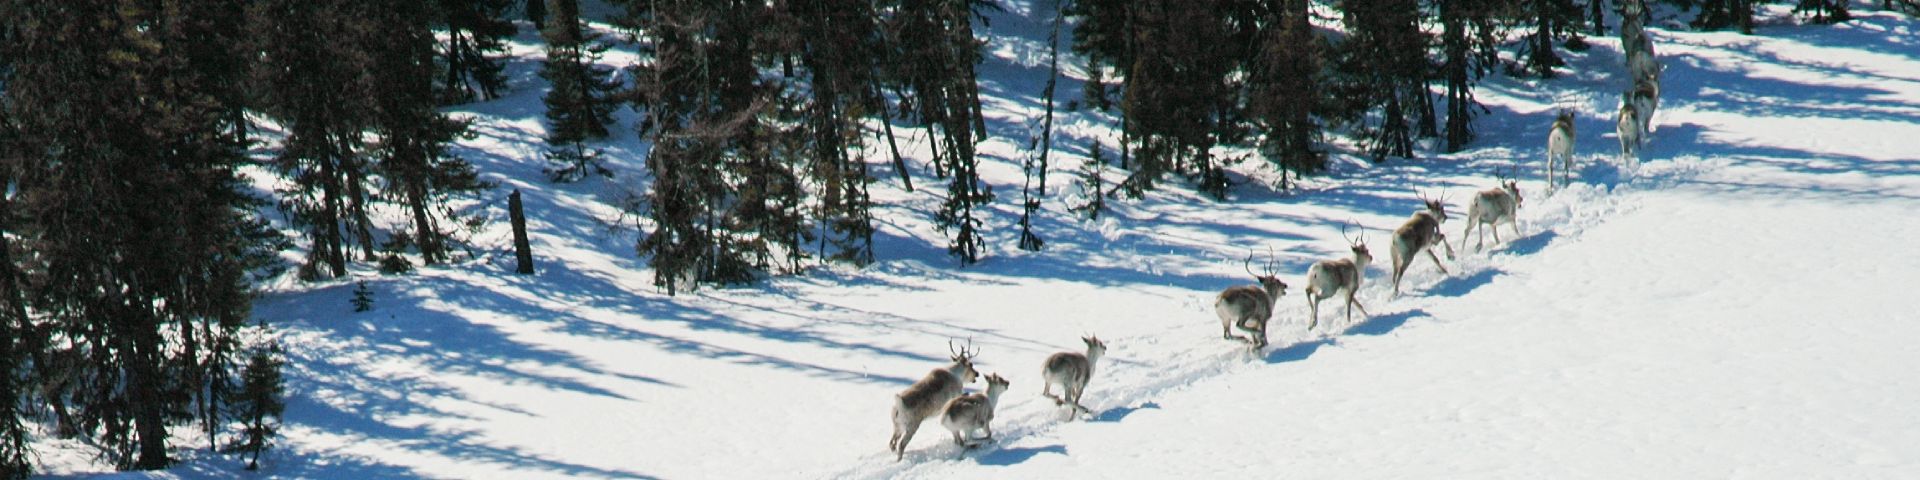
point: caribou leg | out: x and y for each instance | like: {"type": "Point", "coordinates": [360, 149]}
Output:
{"type": "Point", "coordinates": [1436, 260]}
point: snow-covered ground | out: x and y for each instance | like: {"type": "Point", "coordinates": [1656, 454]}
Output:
{"type": "Point", "coordinates": [1735, 306]}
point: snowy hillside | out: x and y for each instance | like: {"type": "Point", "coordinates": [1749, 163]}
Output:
{"type": "Point", "coordinates": [1734, 306]}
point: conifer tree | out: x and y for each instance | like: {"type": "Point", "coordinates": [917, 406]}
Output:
{"type": "Point", "coordinates": [1382, 65]}
{"type": "Point", "coordinates": [1552, 20]}
{"type": "Point", "coordinates": [1285, 87]}
{"type": "Point", "coordinates": [934, 53]}
{"type": "Point", "coordinates": [15, 324]}
{"type": "Point", "coordinates": [260, 404]}
{"type": "Point", "coordinates": [707, 104]}
{"type": "Point", "coordinates": [838, 46]}
{"type": "Point", "coordinates": [1178, 97]}
{"type": "Point", "coordinates": [420, 175]}
{"type": "Point", "coordinates": [1470, 33]}
{"type": "Point", "coordinates": [1723, 14]}
{"type": "Point", "coordinates": [221, 54]}
{"type": "Point", "coordinates": [362, 299]}
{"type": "Point", "coordinates": [1824, 11]}
{"type": "Point", "coordinates": [1041, 145]}
{"type": "Point", "coordinates": [1092, 185]}
{"type": "Point", "coordinates": [537, 13]}
{"type": "Point", "coordinates": [314, 77]}
{"type": "Point", "coordinates": [1103, 35]}
{"type": "Point", "coordinates": [135, 165]}
{"type": "Point", "coordinates": [579, 103]}
{"type": "Point", "coordinates": [333, 71]}
{"type": "Point", "coordinates": [474, 29]}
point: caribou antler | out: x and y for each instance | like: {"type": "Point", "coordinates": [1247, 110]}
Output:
{"type": "Point", "coordinates": [962, 353]}
{"type": "Point", "coordinates": [1354, 240]}
{"type": "Point", "coordinates": [1248, 264]}
{"type": "Point", "coordinates": [1272, 261]}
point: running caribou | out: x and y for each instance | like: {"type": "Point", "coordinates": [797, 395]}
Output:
{"type": "Point", "coordinates": [1248, 307]}
{"type": "Point", "coordinates": [1629, 127]}
{"type": "Point", "coordinates": [1560, 147]}
{"type": "Point", "coordinates": [1419, 234]}
{"type": "Point", "coordinates": [1071, 371]}
{"type": "Point", "coordinates": [974, 412]}
{"type": "Point", "coordinates": [1327, 278]}
{"type": "Point", "coordinates": [1492, 207]}
{"type": "Point", "coordinates": [928, 396]}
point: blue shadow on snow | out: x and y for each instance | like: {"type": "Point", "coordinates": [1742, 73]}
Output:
{"type": "Point", "coordinates": [1118, 414]}
{"type": "Point", "coordinates": [1016, 455]}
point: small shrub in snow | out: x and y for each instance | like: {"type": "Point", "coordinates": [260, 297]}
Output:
{"type": "Point", "coordinates": [362, 298]}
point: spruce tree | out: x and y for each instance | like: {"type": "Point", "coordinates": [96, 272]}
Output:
{"type": "Point", "coordinates": [537, 13]}
{"type": "Point", "coordinates": [260, 404]}
{"type": "Point", "coordinates": [1178, 98]}
{"type": "Point", "coordinates": [1470, 33]}
{"type": "Point", "coordinates": [1735, 14]}
{"type": "Point", "coordinates": [1041, 145]}
{"type": "Point", "coordinates": [1596, 16]}
{"type": "Point", "coordinates": [314, 76]}
{"type": "Point", "coordinates": [474, 29]}
{"type": "Point", "coordinates": [707, 104]}
{"type": "Point", "coordinates": [362, 299]}
{"type": "Point", "coordinates": [15, 324]}
{"type": "Point", "coordinates": [135, 164]}
{"type": "Point", "coordinates": [1103, 35]}
{"type": "Point", "coordinates": [1284, 90]}
{"type": "Point", "coordinates": [1092, 185]}
{"type": "Point", "coordinates": [1824, 11]}
{"type": "Point", "coordinates": [934, 51]}
{"type": "Point", "coordinates": [579, 103]}
{"type": "Point", "coordinates": [333, 71]}
{"type": "Point", "coordinates": [1382, 65]}
{"type": "Point", "coordinates": [838, 46]}
{"type": "Point", "coordinates": [1552, 20]}
{"type": "Point", "coordinates": [421, 176]}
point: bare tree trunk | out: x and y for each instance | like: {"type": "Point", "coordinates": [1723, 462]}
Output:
{"type": "Point", "coordinates": [1599, 27]}
{"type": "Point", "coordinates": [1053, 76]}
{"type": "Point", "coordinates": [144, 393]}
{"type": "Point", "coordinates": [886, 122]}
{"type": "Point", "coordinates": [329, 241]}
{"type": "Point", "coordinates": [522, 249]}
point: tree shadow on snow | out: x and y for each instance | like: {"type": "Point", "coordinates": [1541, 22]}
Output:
{"type": "Point", "coordinates": [1694, 137]}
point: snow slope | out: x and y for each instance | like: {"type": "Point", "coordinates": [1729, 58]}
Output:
{"type": "Point", "coordinates": [1732, 307]}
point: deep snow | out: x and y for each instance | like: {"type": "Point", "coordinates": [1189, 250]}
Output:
{"type": "Point", "coordinates": [1735, 307]}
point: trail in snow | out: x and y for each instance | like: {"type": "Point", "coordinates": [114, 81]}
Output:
{"type": "Point", "coordinates": [1742, 314]}
{"type": "Point", "coordinates": [1732, 308]}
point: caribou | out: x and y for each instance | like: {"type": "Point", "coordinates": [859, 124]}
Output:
{"type": "Point", "coordinates": [1630, 127]}
{"type": "Point", "coordinates": [1327, 278]}
{"type": "Point", "coordinates": [1419, 234]}
{"type": "Point", "coordinates": [1646, 98]}
{"type": "Point", "coordinates": [1560, 146]}
{"type": "Point", "coordinates": [1632, 31]}
{"type": "Point", "coordinates": [926, 397]}
{"type": "Point", "coordinates": [966, 414]}
{"type": "Point", "coordinates": [1071, 371]}
{"type": "Point", "coordinates": [1492, 207]}
{"type": "Point", "coordinates": [1249, 306]}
